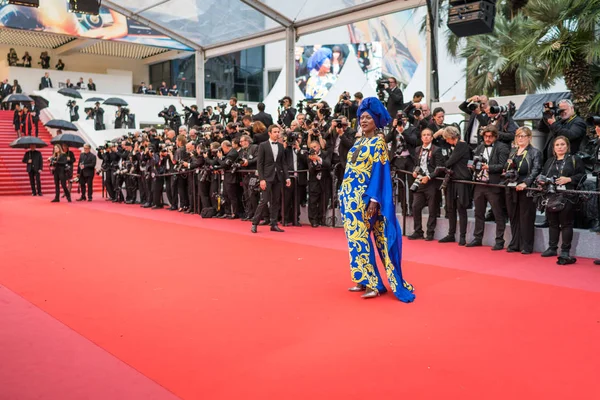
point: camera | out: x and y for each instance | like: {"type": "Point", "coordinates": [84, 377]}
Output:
{"type": "Point", "coordinates": [508, 109]}
{"type": "Point", "coordinates": [472, 106]}
{"type": "Point", "coordinates": [71, 103]}
{"type": "Point", "coordinates": [74, 180]}
{"type": "Point", "coordinates": [381, 84]}
{"type": "Point", "coordinates": [291, 138]}
{"type": "Point", "coordinates": [417, 113]}
{"type": "Point", "coordinates": [548, 183]}
{"type": "Point", "coordinates": [415, 186]}
{"type": "Point", "coordinates": [447, 176]}
{"type": "Point", "coordinates": [593, 121]}
{"type": "Point", "coordinates": [222, 106]}
{"type": "Point", "coordinates": [550, 110]}
{"type": "Point", "coordinates": [477, 163]}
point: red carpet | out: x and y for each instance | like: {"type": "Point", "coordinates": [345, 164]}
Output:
{"type": "Point", "coordinates": [209, 311]}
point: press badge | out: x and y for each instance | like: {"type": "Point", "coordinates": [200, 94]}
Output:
{"type": "Point", "coordinates": [512, 184]}
{"type": "Point", "coordinates": [561, 187]}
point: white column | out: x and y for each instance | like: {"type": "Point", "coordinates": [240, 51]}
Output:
{"type": "Point", "coordinates": [290, 62]}
{"type": "Point", "coordinates": [200, 79]}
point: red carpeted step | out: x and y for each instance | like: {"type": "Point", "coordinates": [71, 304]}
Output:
{"type": "Point", "coordinates": [14, 179]}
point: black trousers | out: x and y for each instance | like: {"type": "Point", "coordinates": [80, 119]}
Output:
{"type": "Point", "coordinates": [494, 196]}
{"type": "Point", "coordinates": [251, 197]}
{"type": "Point", "coordinates": [157, 189]}
{"type": "Point", "coordinates": [521, 213]}
{"type": "Point", "coordinates": [204, 189]}
{"type": "Point", "coordinates": [561, 223]}
{"type": "Point", "coordinates": [317, 201]}
{"type": "Point", "coordinates": [36, 123]}
{"type": "Point", "coordinates": [86, 182]}
{"type": "Point", "coordinates": [131, 186]}
{"type": "Point", "coordinates": [230, 192]}
{"type": "Point", "coordinates": [192, 188]}
{"type": "Point", "coordinates": [110, 183]}
{"type": "Point", "coordinates": [293, 196]}
{"type": "Point", "coordinates": [457, 205]}
{"type": "Point", "coordinates": [182, 191]}
{"type": "Point", "coordinates": [171, 189]}
{"type": "Point", "coordinates": [60, 179]}
{"type": "Point", "coordinates": [406, 164]}
{"type": "Point", "coordinates": [142, 183]}
{"type": "Point", "coordinates": [427, 195]}
{"type": "Point", "coordinates": [272, 196]}
{"type": "Point", "coordinates": [35, 182]}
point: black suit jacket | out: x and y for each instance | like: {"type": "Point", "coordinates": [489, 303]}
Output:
{"type": "Point", "coordinates": [573, 129]}
{"type": "Point", "coordinates": [36, 164]}
{"type": "Point", "coordinates": [301, 164]}
{"type": "Point", "coordinates": [395, 101]}
{"type": "Point", "coordinates": [226, 162]}
{"type": "Point", "coordinates": [46, 83]}
{"type": "Point", "coordinates": [498, 157]}
{"type": "Point", "coordinates": [87, 164]}
{"type": "Point", "coordinates": [268, 167]}
{"type": "Point", "coordinates": [6, 90]}
{"type": "Point", "coordinates": [260, 138]}
{"type": "Point", "coordinates": [458, 161]}
{"type": "Point", "coordinates": [264, 118]}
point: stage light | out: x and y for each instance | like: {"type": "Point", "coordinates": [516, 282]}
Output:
{"type": "Point", "coordinates": [85, 6]}
{"type": "Point", "coordinates": [26, 3]}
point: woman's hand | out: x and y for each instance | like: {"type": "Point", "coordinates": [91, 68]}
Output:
{"type": "Point", "coordinates": [372, 209]}
{"type": "Point", "coordinates": [521, 186]}
{"type": "Point", "coordinates": [563, 180]}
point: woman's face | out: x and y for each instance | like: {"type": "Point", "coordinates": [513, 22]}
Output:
{"type": "Point", "coordinates": [367, 123]}
{"type": "Point", "coordinates": [560, 147]}
{"type": "Point", "coordinates": [336, 55]}
{"type": "Point", "coordinates": [523, 139]}
{"type": "Point", "coordinates": [326, 67]}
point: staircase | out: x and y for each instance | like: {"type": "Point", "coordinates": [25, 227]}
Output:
{"type": "Point", "coordinates": [14, 179]}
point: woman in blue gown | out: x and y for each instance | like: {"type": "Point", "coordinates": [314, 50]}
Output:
{"type": "Point", "coordinates": [367, 206]}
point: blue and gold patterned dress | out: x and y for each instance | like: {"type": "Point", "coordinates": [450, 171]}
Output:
{"type": "Point", "coordinates": [367, 177]}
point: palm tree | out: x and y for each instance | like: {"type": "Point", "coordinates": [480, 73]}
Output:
{"type": "Point", "coordinates": [491, 71]}
{"type": "Point", "coordinates": [562, 34]}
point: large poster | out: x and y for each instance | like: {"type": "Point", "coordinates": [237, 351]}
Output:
{"type": "Point", "coordinates": [53, 16]}
{"type": "Point", "coordinates": [319, 66]}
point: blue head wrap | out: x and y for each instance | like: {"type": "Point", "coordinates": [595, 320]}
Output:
{"type": "Point", "coordinates": [318, 58]}
{"type": "Point", "coordinates": [375, 108]}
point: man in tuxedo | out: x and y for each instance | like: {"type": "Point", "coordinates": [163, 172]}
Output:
{"type": "Point", "coordinates": [262, 116]}
{"type": "Point", "coordinates": [46, 81]}
{"type": "Point", "coordinates": [395, 98]}
{"type": "Point", "coordinates": [427, 157]}
{"type": "Point", "coordinates": [474, 107]}
{"type": "Point", "coordinates": [272, 172]}
{"type": "Point", "coordinates": [494, 155]}
{"type": "Point", "coordinates": [35, 164]}
{"type": "Point", "coordinates": [287, 115]}
{"type": "Point", "coordinates": [85, 170]}
{"type": "Point", "coordinates": [5, 90]}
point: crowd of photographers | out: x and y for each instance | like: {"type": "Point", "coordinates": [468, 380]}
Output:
{"type": "Point", "coordinates": [205, 162]}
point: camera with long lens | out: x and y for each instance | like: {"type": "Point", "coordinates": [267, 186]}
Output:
{"type": "Point", "coordinates": [417, 112]}
{"type": "Point", "coordinates": [415, 186]}
{"type": "Point", "coordinates": [474, 105]}
{"type": "Point", "coordinates": [381, 88]}
{"type": "Point", "coordinates": [550, 110]}
{"type": "Point", "coordinates": [222, 106]}
{"type": "Point", "coordinates": [547, 183]}
{"type": "Point", "coordinates": [291, 138]}
{"type": "Point", "coordinates": [593, 121]}
{"type": "Point", "coordinates": [447, 176]}
{"type": "Point", "coordinates": [508, 109]}
{"type": "Point", "coordinates": [400, 145]}
{"type": "Point", "coordinates": [477, 163]}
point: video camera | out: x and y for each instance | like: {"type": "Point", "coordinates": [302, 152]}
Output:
{"type": "Point", "coordinates": [222, 106]}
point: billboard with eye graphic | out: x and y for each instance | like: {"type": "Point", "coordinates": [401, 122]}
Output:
{"type": "Point", "coordinates": [53, 16]}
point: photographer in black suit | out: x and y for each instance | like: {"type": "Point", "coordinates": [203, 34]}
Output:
{"type": "Point", "coordinates": [475, 108]}
{"type": "Point", "coordinates": [562, 122]}
{"type": "Point", "coordinates": [319, 166]}
{"type": "Point", "coordinates": [458, 195]}
{"type": "Point", "coordinates": [296, 157]}
{"type": "Point", "coordinates": [428, 158]}
{"type": "Point", "coordinates": [87, 164]}
{"type": "Point", "coordinates": [272, 172]}
{"type": "Point", "coordinates": [339, 142]}
{"type": "Point", "coordinates": [395, 101]}
{"type": "Point", "coordinates": [228, 157]}
{"type": "Point", "coordinates": [402, 141]}
{"type": "Point", "coordinates": [287, 113]}
{"type": "Point", "coordinates": [35, 165]}
{"type": "Point", "coordinates": [488, 162]}
{"type": "Point", "coordinates": [248, 157]}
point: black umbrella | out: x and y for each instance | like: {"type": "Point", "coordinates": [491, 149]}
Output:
{"type": "Point", "coordinates": [26, 141]}
{"type": "Point", "coordinates": [40, 102]}
{"type": "Point", "coordinates": [69, 139]}
{"type": "Point", "coordinates": [17, 98]}
{"type": "Point", "coordinates": [61, 124]}
{"type": "Point", "coordinates": [94, 99]}
{"type": "Point", "coordinates": [70, 93]}
{"type": "Point", "coordinates": [115, 101]}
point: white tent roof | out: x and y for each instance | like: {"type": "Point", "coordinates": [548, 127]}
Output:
{"type": "Point", "coordinates": [223, 26]}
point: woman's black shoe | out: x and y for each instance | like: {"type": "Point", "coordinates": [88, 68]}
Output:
{"type": "Point", "coordinates": [55, 201]}
{"type": "Point", "coordinates": [550, 252]}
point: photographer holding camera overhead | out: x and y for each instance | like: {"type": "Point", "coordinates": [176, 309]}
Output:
{"type": "Point", "coordinates": [395, 100]}
{"type": "Point", "coordinates": [559, 119]}
{"type": "Point", "coordinates": [346, 107]}
{"type": "Point", "coordinates": [286, 113]}
{"type": "Point", "coordinates": [501, 118]}
{"type": "Point", "coordinates": [73, 110]}
{"type": "Point", "coordinates": [487, 166]}
{"type": "Point", "coordinates": [474, 107]}
{"type": "Point", "coordinates": [563, 171]}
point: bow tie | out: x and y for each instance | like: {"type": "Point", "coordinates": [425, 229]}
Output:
{"type": "Point", "coordinates": [274, 142]}
{"type": "Point", "coordinates": [487, 146]}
